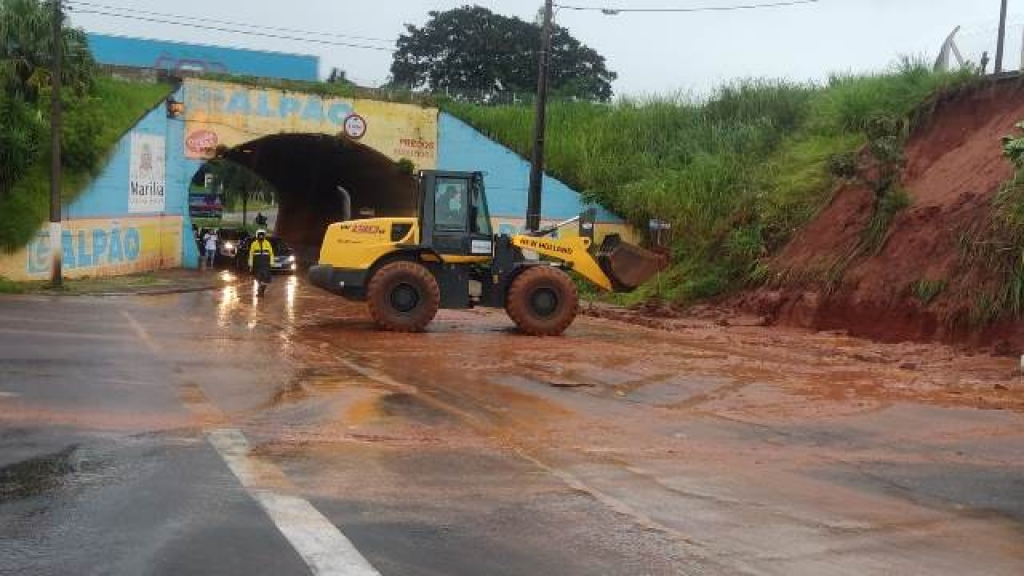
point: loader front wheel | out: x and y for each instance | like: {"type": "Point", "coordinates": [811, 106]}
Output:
{"type": "Point", "coordinates": [403, 297]}
{"type": "Point", "coordinates": [542, 301]}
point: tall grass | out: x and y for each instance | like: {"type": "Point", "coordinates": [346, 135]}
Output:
{"type": "Point", "coordinates": [736, 173]}
{"type": "Point", "coordinates": [111, 110]}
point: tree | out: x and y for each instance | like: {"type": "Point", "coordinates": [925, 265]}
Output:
{"type": "Point", "coordinates": [25, 59]}
{"type": "Point", "coordinates": [475, 54]}
{"type": "Point", "coordinates": [26, 51]}
{"type": "Point", "coordinates": [237, 182]}
{"type": "Point", "coordinates": [338, 76]}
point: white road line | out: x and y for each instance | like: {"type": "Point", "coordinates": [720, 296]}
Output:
{"type": "Point", "coordinates": [8, 395]}
{"type": "Point", "coordinates": [141, 333]}
{"type": "Point", "coordinates": [324, 548]}
{"type": "Point", "coordinates": [82, 335]}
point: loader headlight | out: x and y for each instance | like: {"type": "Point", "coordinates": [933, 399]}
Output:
{"type": "Point", "coordinates": [290, 260]}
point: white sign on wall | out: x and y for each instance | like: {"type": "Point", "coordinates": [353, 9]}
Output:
{"type": "Point", "coordinates": [146, 174]}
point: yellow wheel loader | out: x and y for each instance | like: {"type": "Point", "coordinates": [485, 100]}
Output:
{"type": "Point", "coordinates": [405, 269]}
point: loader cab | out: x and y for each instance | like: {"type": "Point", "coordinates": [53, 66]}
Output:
{"type": "Point", "coordinates": [456, 221]}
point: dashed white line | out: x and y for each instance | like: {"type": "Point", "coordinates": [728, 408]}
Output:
{"type": "Point", "coordinates": [321, 545]}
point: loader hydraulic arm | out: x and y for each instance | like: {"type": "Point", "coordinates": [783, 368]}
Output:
{"type": "Point", "coordinates": [574, 251]}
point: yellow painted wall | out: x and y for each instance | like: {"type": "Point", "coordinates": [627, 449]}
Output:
{"type": "Point", "coordinates": [223, 114]}
{"type": "Point", "coordinates": [101, 247]}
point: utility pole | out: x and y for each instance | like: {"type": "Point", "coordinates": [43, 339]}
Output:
{"type": "Point", "coordinates": [56, 232]}
{"type": "Point", "coordinates": [1002, 38]}
{"type": "Point", "coordinates": [533, 209]}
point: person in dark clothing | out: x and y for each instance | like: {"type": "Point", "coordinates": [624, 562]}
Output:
{"type": "Point", "coordinates": [261, 255]}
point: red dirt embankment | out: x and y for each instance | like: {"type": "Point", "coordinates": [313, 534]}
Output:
{"type": "Point", "coordinates": [824, 280]}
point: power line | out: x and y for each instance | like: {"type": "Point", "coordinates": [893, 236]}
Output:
{"type": "Point", "coordinates": [95, 6]}
{"type": "Point", "coordinates": [611, 11]}
{"type": "Point", "coordinates": [233, 30]}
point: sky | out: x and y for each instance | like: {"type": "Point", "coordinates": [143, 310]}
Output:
{"type": "Point", "coordinates": [661, 53]}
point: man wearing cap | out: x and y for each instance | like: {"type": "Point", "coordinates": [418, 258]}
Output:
{"type": "Point", "coordinates": [261, 254]}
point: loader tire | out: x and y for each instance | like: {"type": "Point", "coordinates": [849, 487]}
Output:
{"type": "Point", "coordinates": [542, 301]}
{"type": "Point", "coordinates": [403, 297]}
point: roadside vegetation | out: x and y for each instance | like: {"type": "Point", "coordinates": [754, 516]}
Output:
{"type": "Point", "coordinates": [736, 174]}
{"type": "Point", "coordinates": [1002, 244]}
{"type": "Point", "coordinates": [97, 111]}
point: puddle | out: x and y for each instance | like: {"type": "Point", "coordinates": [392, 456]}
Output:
{"type": "Point", "coordinates": [409, 407]}
{"type": "Point", "coordinates": [36, 476]}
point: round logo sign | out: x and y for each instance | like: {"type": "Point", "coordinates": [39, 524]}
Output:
{"type": "Point", "coordinates": [202, 141]}
{"type": "Point", "coordinates": [355, 126]}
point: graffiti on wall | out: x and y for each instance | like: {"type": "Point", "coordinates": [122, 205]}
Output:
{"type": "Point", "coordinates": [222, 114]}
{"type": "Point", "coordinates": [101, 247]}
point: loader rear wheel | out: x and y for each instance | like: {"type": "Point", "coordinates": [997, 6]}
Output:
{"type": "Point", "coordinates": [403, 297]}
{"type": "Point", "coordinates": [542, 301]}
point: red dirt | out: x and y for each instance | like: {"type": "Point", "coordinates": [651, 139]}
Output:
{"type": "Point", "coordinates": [954, 167]}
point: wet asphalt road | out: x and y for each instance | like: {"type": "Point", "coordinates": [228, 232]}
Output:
{"type": "Point", "coordinates": [472, 450]}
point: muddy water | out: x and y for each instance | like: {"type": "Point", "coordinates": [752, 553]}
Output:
{"type": "Point", "coordinates": [754, 450]}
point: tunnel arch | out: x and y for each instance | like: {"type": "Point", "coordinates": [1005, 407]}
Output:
{"type": "Point", "coordinates": [306, 170]}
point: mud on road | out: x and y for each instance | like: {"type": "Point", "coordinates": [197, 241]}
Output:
{"type": "Point", "coordinates": [617, 449]}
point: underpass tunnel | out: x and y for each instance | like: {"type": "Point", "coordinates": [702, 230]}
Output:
{"type": "Point", "coordinates": [307, 171]}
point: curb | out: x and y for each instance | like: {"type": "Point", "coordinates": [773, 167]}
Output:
{"type": "Point", "coordinates": [157, 292]}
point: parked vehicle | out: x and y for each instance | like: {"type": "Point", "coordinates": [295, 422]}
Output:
{"type": "Point", "coordinates": [228, 242]}
{"type": "Point", "coordinates": [284, 257]}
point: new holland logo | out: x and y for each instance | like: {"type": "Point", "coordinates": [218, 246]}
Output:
{"type": "Point", "coordinates": [549, 247]}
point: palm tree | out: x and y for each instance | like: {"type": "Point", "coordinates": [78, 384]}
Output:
{"type": "Point", "coordinates": [26, 51]}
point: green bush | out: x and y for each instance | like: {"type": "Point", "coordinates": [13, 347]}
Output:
{"type": "Point", "coordinates": [92, 125]}
{"type": "Point", "coordinates": [926, 291]}
{"type": "Point", "coordinates": [21, 134]}
{"type": "Point", "coordinates": [887, 207]}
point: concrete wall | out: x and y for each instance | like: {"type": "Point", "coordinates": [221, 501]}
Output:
{"type": "Point", "coordinates": [102, 236]}
{"type": "Point", "coordinates": [177, 56]}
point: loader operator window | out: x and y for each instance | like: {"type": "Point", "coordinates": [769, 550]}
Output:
{"type": "Point", "coordinates": [450, 205]}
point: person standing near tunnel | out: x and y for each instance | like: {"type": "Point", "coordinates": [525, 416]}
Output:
{"type": "Point", "coordinates": [261, 255]}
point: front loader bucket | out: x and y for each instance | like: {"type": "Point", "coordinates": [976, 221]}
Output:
{"type": "Point", "coordinates": [626, 265]}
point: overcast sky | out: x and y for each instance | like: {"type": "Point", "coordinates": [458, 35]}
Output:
{"type": "Point", "coordinates": [652, 53]}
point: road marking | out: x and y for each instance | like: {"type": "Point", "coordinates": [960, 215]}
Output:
{"type": "Point", "coordinates": [321, 545]}
{"type": "Point", "coordinates": [8, 395]}
{"type": "Point", "coordinates": [324, 548]}
{"type": "Point", "coordinates": [108, 337]}
{"type": "Point", "coordinates": [141, 332]}
{"type": "Point", "coordinates": [378, 377]}
{"type": "Point", "coordinates": [12, 319]}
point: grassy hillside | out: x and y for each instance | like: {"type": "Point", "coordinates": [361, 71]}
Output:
{"type": "Point", "coordinates": [113, 107]}
{"type": "Point", "coordinates": [736, 174]}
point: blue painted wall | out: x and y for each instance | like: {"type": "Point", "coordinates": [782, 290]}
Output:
{"type": "Point", "coordinates": [461, 147]}
{"type": "Point", "coordinates": [107, 195]}
{"type": "Point", "coordinates": [165, 55]}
